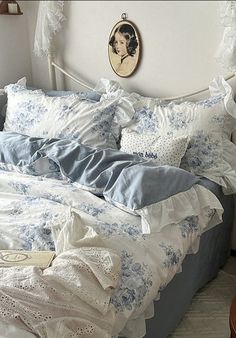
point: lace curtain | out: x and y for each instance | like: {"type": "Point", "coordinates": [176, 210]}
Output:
{"type": "Point", "coordinates": [50, 17]}
{"type": "Point", "coordinates": [226, 53]}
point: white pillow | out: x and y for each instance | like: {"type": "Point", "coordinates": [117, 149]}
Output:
{"type": "Point", "coordinates": [33, 113]}
{"type": "Point", "coordinates": [162, 149]}
{"type": "Point", "coordinates": [208, 123]}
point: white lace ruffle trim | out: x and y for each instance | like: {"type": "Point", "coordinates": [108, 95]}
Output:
{"type": "Point", "coordinates": [50, 17]}
{"type": "Point", "coordinates": [197, 201]}
{"type": "Point", "coordinates": [226, 53]}
{"type": "Point", "coordinates": [228, 170]}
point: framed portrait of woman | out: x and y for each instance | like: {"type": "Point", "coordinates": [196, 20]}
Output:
{"type": "Point", "coordinates": [124, 48]}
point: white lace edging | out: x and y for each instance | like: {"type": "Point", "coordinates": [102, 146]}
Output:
{"type": "Point", "coordinates": [228, 171]}
{"type": "Point", "coordinates": [219, 86]}
{"type": "Point", "coordinates": [226, 53]}
{"type": "Point", "coordinates": [111, 90]}
{"type": "Point", "coordinates": [70, 233]}
{"type": "Point", "coordinates": [106, 86]}
{"type": "Point", "coordinates": [50, 17]}
{"type": "Point", "coordinates": [226, 177]}
{"type": "Point", "coordinates": [197, 201]}
{"type": "Point", "coordinates": [229, 167]}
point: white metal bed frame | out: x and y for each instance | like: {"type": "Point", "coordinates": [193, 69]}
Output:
{"type": "Point", "coordinates": [53, 66]}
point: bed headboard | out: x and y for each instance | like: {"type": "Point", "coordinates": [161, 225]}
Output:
{"type": "Point", "coordinates": [53, 66]}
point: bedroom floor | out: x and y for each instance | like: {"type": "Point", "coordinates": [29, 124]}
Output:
{"type": "Point", "coordinates": [208, 314]}
{"type": "Point", "coordinates": [230, 266]}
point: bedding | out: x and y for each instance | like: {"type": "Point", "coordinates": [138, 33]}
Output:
{"type": "Point", "coordinates": [208, 124]}
{"type": "Point", "coordinates": [123, 180]}
{"type": "Point", "coordinates": [57, 194]}
{"type": "Point", "coordinates": [82, 95]}
{"type": "Point", "coordinates": [163, 150]}
{"type": "Point", "coordinates": [89, 95]}
{"type": "Point", "coordinates": [34, 113]}
{"type": "Point", "coordinates": [92, 95]}
{"type": "Point", "coordinates": [197, 270]}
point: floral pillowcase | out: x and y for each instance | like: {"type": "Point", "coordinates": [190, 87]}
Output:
{"type": "Point", "coordinates": [33, 113]}
{"type": "Point", "coordinates": [208, 124]}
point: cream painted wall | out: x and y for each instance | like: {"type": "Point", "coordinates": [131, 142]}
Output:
{"type": "Point", "coordinates": [15, 60]}
{"type": "Point", "coordinates": [179, 40]}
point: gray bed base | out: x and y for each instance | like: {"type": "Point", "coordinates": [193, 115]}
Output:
{"type": "Point", "coordinates": [197, 270]}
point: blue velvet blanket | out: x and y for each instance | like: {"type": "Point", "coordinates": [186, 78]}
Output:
{"type": "Point", "coordinates": [120, 178]}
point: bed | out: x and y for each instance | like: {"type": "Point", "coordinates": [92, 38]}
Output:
{"type": "Point", "coordinates": [197, 270]}
{"type": "Point", "coordinates": [135, 219]}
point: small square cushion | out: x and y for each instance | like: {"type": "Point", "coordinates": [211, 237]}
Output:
{"type": "Point", "coordinates": [163, 150]}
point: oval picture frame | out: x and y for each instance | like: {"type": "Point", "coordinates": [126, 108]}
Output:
{"type": "Point", "coordinates": [124, 48]}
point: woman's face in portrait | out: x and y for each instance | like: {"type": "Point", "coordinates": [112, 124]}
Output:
{"type": "Point", "coordinates": [124, 48]}
{"type": "Point", "coordinates": [120, 44]}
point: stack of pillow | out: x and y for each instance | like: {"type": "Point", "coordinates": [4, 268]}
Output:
{"type": "Point", "coordinates": [90, 118]}
{"type": "Point", "coordinates": [193, 135]}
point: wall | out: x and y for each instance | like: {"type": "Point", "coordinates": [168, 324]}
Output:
{"type": "Point", "coordinates": [179, 39]}
{"type": "Point", "coordinates": [15, 60]}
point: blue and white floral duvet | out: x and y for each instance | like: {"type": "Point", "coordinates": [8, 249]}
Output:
{"type": "Point", "coordinates": [52, 213]}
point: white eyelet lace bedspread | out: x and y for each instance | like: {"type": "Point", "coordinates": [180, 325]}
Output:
{"type": "Point", "coordinates": [35, 300]}
{"type": "Point", "coordinates": [106, 274]}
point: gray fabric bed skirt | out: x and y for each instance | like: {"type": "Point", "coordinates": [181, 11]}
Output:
{"type": "Point", "coordinates": [197, 270]}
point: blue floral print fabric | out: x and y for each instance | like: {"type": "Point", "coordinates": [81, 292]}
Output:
{"type": "Point", "coordinates": [119, 177]}
{"type": "Point", "coordinates": [74, 116]}
{"type": "Point", "coordinates": [208, 123]}
{"type": "Point", "coordinates": [43, 211]}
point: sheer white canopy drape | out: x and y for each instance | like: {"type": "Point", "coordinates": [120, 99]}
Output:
{"type": "Point", "coordinates": [50, 17]}
{"type": "Point", "coordinates": [226, 53]}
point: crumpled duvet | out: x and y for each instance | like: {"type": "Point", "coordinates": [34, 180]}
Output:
{"type": "Point", "coordinates": [107, 271]}
{"type": "Point", "coordinates": [127, 181]}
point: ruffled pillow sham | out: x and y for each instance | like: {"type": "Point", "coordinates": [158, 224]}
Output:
{"type": "Point", "coordinates": [92, 95]}
{"type": "Point", "coordinates": [163, 150]}
{"type": "Point", "coordinates": [33, 113]}
{"type": "Point", "coordinates": [208, 124]}
{"type": "Point", "coordinates": [88, 95]}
